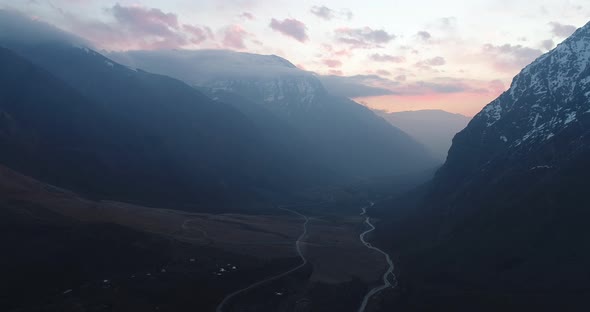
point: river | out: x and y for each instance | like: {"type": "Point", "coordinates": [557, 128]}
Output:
{"type": "Point", "coordinates": [386, 276]}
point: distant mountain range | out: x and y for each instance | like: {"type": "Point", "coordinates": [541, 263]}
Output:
{"type": "Point", "coordinates": [344, 136]}
{"type": "Point", "coordinates": [85, 136]}
{"type": "Point", "coordinates": [247, 131]}
{"type": "Point", "coordinates": [80, 121]}
{"type": "Point", "coordinates": [503, 224]}
{"type": "Point", "coordinates": [434, 129]}
{"type": "Point", "coordinates": [74, 118]}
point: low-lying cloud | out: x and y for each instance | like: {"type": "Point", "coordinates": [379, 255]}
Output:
{"type": "Point", "coordinates": [290, 28]}
{"type": "Point", "coordinates": [509, 58]}
{"type": "Point", "coordinates": [199, 34]}
{"type": "Point", "coordinates": [371, 85]}
{"type": "Point", "coordinates": [428, 64]}
{"type": "Point", "coordinates": [365, 37]}
{"type": "Point", "coordinates": [387, 58]}
{"type": "Point", "coordinates": [14, 26]}
{"type": "Point", "coordinates": [332, 63]}
{"type": "Point", "coordinates": [323, 12]}
{"type": "Point", "coordinates": [355, 86]}
{"type": "Point", "coordinates": [234, 37]}
{"type": "Point", "coordinates": [561, 30]}
{"type": "Point", "coordinates": [327, 14]}
{"type": "Point", "coordinates": [424, 35]}
{"type": "Point", "coordinates": [138, 27]}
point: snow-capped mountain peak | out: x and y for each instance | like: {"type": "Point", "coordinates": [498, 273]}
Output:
{"type": "Point", "coordinates": [267, 79]}
{"type": "Point", "coordinates": [545, 97]}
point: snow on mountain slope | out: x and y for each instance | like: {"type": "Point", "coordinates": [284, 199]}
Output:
{"type": "Point", "coordinates": [510, 201]}
{"type": "Point", "coordinates": [547, 96]}
{"type": "Point", "coordinates": [262, 78]}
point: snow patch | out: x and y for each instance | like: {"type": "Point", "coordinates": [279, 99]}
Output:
{"type": "Point", "coordinates": [536, 120]}
{"type": "Point", "coordinates": [570, 117]}
{"type": "Point", "coordinates": [493, 112]}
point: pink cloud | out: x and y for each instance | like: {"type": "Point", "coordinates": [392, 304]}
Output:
{"type": "Point", "coordinates": [456, 95]}
{"type": "Point", "coordinates": [234, 37]}
{"type": "Point", "coordinates": [332, 63]}
{"type": "Point", "coordinates": [199, 34]}
{"type": "Point", "coordinates": [342, 52]}
{"type": "Point", "coordinates": [496, 87]}
{"type": "Point", "coordinates": [467, 104]}
{"type": "Point", "coordinates": [387, 58]}
{"type": "Point", "coordinates": [373, 85]}
{"type": "Point", "coordinates": [290, 28]}
{"type": "Point", "coordinates": [432, 62]}
{"type": "Point", "coordinates": [137, 27]}
{"type": "Point", "coordinates": [442, 86]}
{"type": "Point", "coordinates": [140, 19]}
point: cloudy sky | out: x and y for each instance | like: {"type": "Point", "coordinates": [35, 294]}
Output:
{"type": "Point", "coordinates": [454, 55]}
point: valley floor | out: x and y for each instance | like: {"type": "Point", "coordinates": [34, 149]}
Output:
{"type": "Point", "coordinates": [184, 259]}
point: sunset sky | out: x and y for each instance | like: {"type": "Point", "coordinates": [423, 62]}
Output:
{"type": "Point", "coordinates": [454, 55]}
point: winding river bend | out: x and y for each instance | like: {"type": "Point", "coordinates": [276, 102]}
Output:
{"type": "Point", "coordinates": [272, 278]}
{"type": "Point", "coordinates": [389, 279]}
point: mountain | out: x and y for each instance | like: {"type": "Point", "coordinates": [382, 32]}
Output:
{"type": "Point", "coordinates": [74, 118]}
{"type": "Point", "coordinates": [502, 225]}
{"type": "Point", "coordinates": [339, 133]}
{"type": "Point", "coordinates": [434, 129]}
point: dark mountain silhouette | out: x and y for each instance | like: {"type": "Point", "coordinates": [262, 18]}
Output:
{"type": "Point", "coordinates": [503, 224]}
{"type": "Point", "coordinates": [73, 118]}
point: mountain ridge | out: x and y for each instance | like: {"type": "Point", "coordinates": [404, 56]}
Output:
{"type": "Point", "coordinates": [509, 202]}
{"type": "Point", "coordinates": [346, 136]}
{"type": "Point", "coordinates": [133, 101]}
